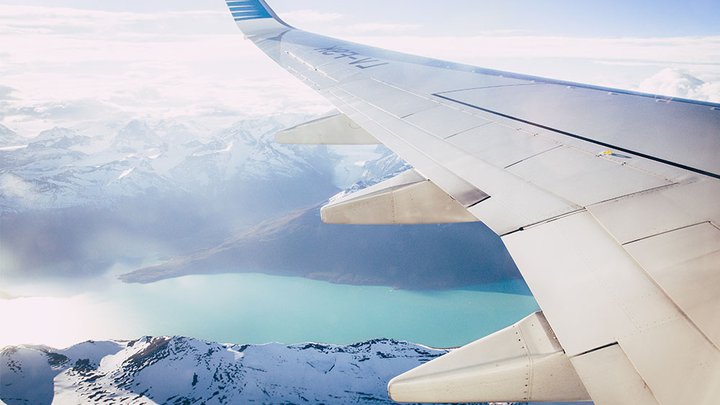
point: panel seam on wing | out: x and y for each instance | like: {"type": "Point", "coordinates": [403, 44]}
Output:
{"type": "Point", "coordinates": [584, 138]}
{"type": "Point", "coordinates": [667, 231]}
{"type": "Point", "coordinates": [568, 203]}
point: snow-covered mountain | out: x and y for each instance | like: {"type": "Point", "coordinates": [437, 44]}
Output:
{"type": "Point", "coordinates": [65, 167]}
{"type": "Point", "coordinates": [179, 370]}
{"type": "Point", "coordinates": [8, 137]}
{"type": "Point", "coordinates": [154, 189]}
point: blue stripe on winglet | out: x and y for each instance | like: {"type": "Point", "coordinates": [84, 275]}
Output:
{"type": "Point", "coordinates": [247, 10]}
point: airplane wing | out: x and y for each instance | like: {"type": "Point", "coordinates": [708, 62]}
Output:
{"type": "Point", "coordinates": [608, 201]}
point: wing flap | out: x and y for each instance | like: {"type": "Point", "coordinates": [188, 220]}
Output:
{"type": "Point", "coordinates": [676, 361]}
{"type": "Point", "coordinates": [574, 259]}
{"type": "Point", "coordinates": [660, 210]}
{"type": "Point", "coordinates": [335, 129]}
{"type": "Point", "coordinates": [523, 362]}
{"type": "Point", "coordinates": [686, 265]}
{"type": "Point", "coordinates": [611, 379]}
{"type": "Point", "coordinates": [407, 198]}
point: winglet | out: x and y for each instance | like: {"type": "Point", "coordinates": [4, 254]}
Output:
{"type": "Point", "coordinates": [254, 16]}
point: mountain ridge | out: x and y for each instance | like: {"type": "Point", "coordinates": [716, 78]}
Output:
{"type": "Point", "coordinates": [76, 202]}
{"type": "Point", "coordinates": [179, 370]}
{"type": "Point", "coordinates": [400, 256]}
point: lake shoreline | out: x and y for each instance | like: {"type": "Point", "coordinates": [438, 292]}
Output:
{"type": "Point", "coordinates": [518, 284]}
{"type": "Point", "coordinates": [260, 308]}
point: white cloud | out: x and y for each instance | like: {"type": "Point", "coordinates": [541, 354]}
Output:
{"type": "Point", "coordinates": [67, 65]}
{"type": "Point", "coordinates": [679, 83]}
{"type": "Point", "coordinates": [673, 50]}
{"type": "Point", "coordinates": [613, 62]}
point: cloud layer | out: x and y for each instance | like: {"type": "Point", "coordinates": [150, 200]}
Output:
{"type": "Point", "coordinates": [64, 66]}
{"type": "Point", "coordinates": [680, 83]}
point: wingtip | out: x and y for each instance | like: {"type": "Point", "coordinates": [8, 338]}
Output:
{"type": "Point", "coordinates": [252, 10]}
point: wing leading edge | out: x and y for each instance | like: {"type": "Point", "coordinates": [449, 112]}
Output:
{"type": "Point", "coordinates": [606, 199]}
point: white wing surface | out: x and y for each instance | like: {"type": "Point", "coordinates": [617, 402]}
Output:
{"type": "Point", "coordinates": [608, 200]}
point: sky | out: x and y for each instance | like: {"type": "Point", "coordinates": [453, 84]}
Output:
{"type": "Point", "coordinates": [648, 18]}
{"type": "Point", "coordinates": [87, 62]}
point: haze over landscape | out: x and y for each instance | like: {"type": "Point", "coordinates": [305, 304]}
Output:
{"type": "Point", "coordinates": [141, 194]}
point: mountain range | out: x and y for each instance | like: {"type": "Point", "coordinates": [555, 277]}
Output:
{"type": "Point", "coordinates": [74, 202]}
{"type": "Point", "coordinates": [64, 167]}
{"type": "Point", "coordinates": [180, 370]}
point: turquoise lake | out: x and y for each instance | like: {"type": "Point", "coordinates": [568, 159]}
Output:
{"type": "Point", "coordinates": [258, 308]}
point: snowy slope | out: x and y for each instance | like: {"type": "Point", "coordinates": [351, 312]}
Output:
{"type": "Point", "coordinates": [64, 167]}
{"type": "Point", "coordinates": [139, 190]}
{"type": "Point", "coordinates": [9, 138]}
{"type": "Point", "coordinates": [178, 370]}
{"type": "Point", "coordinates": [27, 372]}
